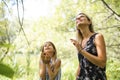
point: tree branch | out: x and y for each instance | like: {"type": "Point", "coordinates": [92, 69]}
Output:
{"type": "Point", "coordinates": [113, 12]}
{"type": "Point", "coordinates": [114, 26]}
{"type": "Point", "coordinates": [4, 54]}
{"type": "Point", "coordinates": [107, 18]}
{"type": "Point", "coordinates": [113, 45]}
{"type": "Point", "coordinates": [21, 21]}
{"type": "Point", "coordinates": [6, 5]}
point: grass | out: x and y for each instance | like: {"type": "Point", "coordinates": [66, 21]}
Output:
{"type": "Point", "coordinates": [69, 66]}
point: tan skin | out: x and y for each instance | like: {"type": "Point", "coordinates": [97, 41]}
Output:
{"type": "Point", "coordinates": [49, 55]}
{"type": "Point", "coordinates": [82, 24]}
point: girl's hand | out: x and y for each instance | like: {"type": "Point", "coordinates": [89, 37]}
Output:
{"type": "Point", "coordinates": [45, 58]}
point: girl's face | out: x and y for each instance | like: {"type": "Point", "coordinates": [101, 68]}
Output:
{"type": "Point", "coordinates": [81, 19]}
{"type": "Point", "coordinates": [48, 49]}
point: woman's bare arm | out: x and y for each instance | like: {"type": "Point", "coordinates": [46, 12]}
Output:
{"type": "Point", "coordinates": [78, 71]}
{"type": "Point", "coordinates": [100, 59]}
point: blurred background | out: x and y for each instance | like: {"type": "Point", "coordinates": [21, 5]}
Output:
{"type": "Point", "coordinates": [26, 24]}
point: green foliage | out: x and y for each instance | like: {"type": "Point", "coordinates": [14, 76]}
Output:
{"type": "Point", "coordinates": [59, 28]}
{"type": "Point", "coordinates": [114, 4]}
{"type": "Point", "coordinates": [68, 68]}
{"type": "Point", "coordinates": [113, 69]}
{"type": "Point", "coordinates": [6, 71]}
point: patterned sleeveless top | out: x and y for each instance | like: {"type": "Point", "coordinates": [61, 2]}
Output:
{"type": "Point", "coordinates": [88, 70]}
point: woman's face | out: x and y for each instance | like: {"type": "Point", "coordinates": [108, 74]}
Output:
{"type": "Point", "coordinates": [81, 19]}
{"type": "Point", "coordinates": [48, 48]}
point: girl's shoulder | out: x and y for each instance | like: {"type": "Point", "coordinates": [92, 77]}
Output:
{"type": "Point", "coordinates": [58, 60]}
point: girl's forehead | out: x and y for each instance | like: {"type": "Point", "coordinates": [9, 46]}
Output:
{"type": "Point", "coordinates": [47, 43]}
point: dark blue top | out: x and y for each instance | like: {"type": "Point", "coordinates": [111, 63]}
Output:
{"type": "Point", "coordinates": [89, 71]}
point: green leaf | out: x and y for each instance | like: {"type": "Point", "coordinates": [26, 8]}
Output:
{"type": "Point", "coordinates": [6, 70]}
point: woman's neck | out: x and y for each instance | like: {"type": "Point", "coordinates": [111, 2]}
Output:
{"type": "Point", "coordinates": [85, 32]}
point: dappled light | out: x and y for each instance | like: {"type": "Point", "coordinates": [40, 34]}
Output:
{"type": "Point", "coordinates": [26, 24]}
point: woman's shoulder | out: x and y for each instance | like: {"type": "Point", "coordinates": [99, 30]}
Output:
{"type": "Point", "coordinates": [99, 38]}
{"type": "Point", "coordinates": [99, 35]}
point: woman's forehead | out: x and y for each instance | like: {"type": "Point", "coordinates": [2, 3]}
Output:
{"type": "Point", "coordinates": [80, 15]}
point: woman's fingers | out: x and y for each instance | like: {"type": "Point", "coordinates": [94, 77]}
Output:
{"type": "Point", "coordinates": [76, 44]}
{"type": "Point", "coordinates": [73, 41]}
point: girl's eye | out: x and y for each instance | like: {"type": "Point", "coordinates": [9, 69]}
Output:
{"type": "Point", "coordinates": [77, 18]}
{"type": "Point", "coordinates": [45, 45]}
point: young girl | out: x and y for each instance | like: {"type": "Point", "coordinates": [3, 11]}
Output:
{"type": "Point", "coordinates": [50, 65]}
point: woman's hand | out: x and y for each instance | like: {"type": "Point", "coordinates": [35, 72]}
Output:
{"type": "Point", "coordinates": [45, 58]}
{"type": "Point", "coordinates": [76, 44]}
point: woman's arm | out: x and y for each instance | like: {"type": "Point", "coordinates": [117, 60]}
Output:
{"type": "Point", "coordinates": [100, 59]}
{"type": "Point", "coordinates": [78, 71]}
{"type": "Point", "coordinates": [54, 72]}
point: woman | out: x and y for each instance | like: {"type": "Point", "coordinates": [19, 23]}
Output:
{"type": "Point", "coordinates": [91, 50]}
{"type": "Point", "coordinates": [50, 65]}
